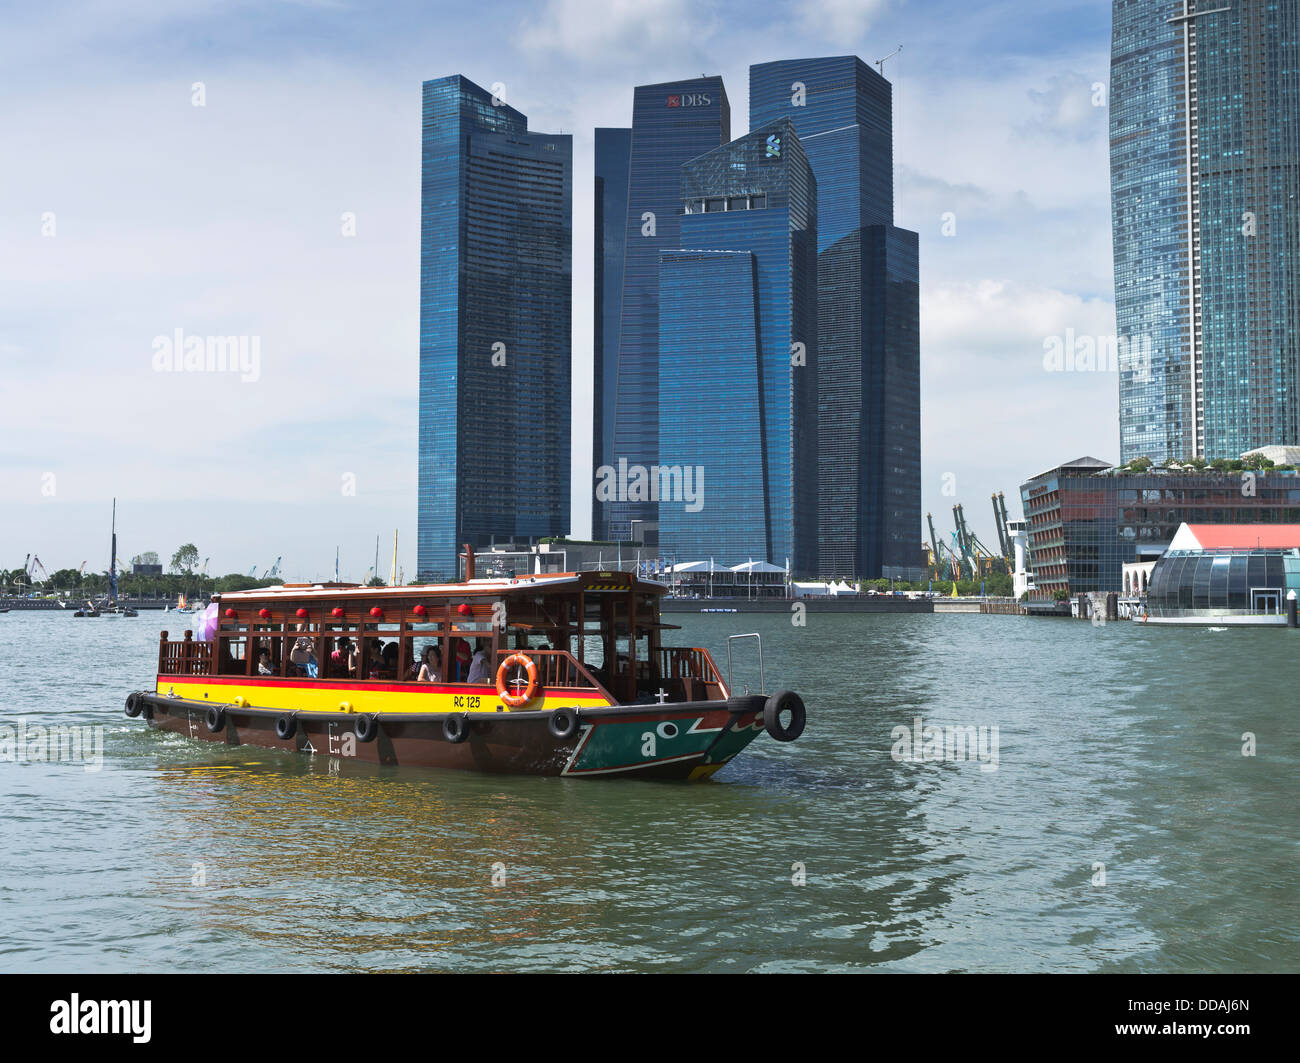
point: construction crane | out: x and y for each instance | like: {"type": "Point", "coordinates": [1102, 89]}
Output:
{"type": "Point", "coordinates": [944, 559]}
{"type": "Point", "coordinates": [33, 565]}
{"type": "Point", "coordinates": [270, 572]}
{"type": "Point", "coordinates": [976, 557]}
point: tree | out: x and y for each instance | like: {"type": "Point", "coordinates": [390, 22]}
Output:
{"type": "Point", "coordinates": [1139, 465]}
{"type": "Point", "coordinates": [1257, 462]}
{"type": "Point", "coordinates": [185, 560]}
{"type": "Point", "coordinates": [375, 581]}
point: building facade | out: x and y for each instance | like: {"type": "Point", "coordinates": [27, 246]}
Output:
{"type": "Point", "coordinates": [1226, 574]}
{"type": "Point", "coordinates": [496, 239]}
{"type": "Point", "coordinates": [869, 444]}
{"type": "Point", "coordinates": [738, 356]}
{"type": "Point", "coordinates": [1205, 194]}
{"type": "Point", "coordinates": [613, 157]}
{"type": "Point", "coordinates": [672, 123]}
{"type": "Point", "coordinates": [1086, 520]}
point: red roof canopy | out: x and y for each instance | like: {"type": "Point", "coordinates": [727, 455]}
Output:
{"type": "Point", "coordinates": [1246, 536]}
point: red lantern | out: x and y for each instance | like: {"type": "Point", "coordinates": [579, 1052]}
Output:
{"type": "Point", "coordinates": [337, 612]}
{"type": "Point", "coordinates": [302, 614]}
{"type": "Point", "coordinates": [419, 610]}
{"type": "Point", "coordinates": [265, 614]}
{"type": "Point", "coordinates": [230, 614]}
{"type": "Point", "coordinates": [377, 613]}
{"type": "Point", "coordinates": [465, 609]}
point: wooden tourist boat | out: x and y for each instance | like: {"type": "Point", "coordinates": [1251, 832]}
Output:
{"type": "Point", "coordinates": [571, 679]}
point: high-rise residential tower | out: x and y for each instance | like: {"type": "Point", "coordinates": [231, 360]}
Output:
{"type": "Point", "coordinates": [1205, 202]}
{"type": "Point", "coordinates": [496, 241]}
{"type": "Point", "coordinates": [737, 357]}
{"type": "Point", "coordinates": [613, 158]}
{"type": "Point", "coordinates": [868, 313]}
{"type": "Point", "coordinates": [672, 123]}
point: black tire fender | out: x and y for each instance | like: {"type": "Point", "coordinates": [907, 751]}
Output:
{"type": "Point", "coordinates": [455, 728]}
{"type": "Point", "coordinates": [563, 723]}
{"type": "Point", "coordinates": [216, 719]}
{"type": "Point", "coordinates": [133, 705]}
{"type": "Point", "coordinates": [286, 726]}
{"type": "Point", "coordinates": [367, 727]}
{"type": "Point", "coordinates": [778, 705]}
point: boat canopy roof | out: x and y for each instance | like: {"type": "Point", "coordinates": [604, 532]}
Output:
{"type": "Point", "coordinates": [541, 583]}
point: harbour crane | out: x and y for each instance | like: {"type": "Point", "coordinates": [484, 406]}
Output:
{"type": "Point", "coordinates": [271, 572]}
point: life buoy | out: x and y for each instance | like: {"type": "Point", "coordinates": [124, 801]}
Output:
{"type": "Point", "coordinates": [519, 660]}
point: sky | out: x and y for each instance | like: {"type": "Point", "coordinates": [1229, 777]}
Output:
{"type": "Point", "coordinates": [252, 169]}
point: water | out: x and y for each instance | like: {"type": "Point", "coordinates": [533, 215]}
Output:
{"type": "Point", "coordinates": [1118, 745]}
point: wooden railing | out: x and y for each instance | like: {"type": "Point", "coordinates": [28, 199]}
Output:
{"type": "Point", "coordinates": [687, 662]}
{"type": "Point", "coordinates": [186, 657]}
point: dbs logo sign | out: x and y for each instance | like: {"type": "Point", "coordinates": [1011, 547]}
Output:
{"type": "Point", "coordinates": [692, 99]}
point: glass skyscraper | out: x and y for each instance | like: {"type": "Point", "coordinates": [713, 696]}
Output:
{"type": "Point", "coordinates": [613, 159]}
{"type": "Point", "coordinates": [496, 240]}
{"type": "Point", "coordinates": [1205, 199]}
{"type": "Point", "coordinates": [737, 356]}
{"type": "Point", "coordinates": [672, 123]}
{"type": "Point", "coordinates": [868, 311]}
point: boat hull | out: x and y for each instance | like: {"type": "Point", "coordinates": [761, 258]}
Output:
{"type": "Point", "coordinates": [685, 741]}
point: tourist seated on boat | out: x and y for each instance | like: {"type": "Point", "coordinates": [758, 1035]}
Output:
{"type": "Point", "coordinates": [343, 661]}
{"type": "Point", "coordinates": [375, 664]}
{"type": "Point", "coordinates": [390, 661]}
{"type": "Point", "coordinates": [460, 661]}
{"type": "Point", "coordinates": [264, 662]}
{"type": "Point", "coordinates": [303, 655]}
{"type": "Point", "coordinates": [480, 670]}
{"type": "Point", "coordinates": [430, 665]}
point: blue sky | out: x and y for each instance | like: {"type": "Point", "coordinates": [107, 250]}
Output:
{"type": "Point", "coordinates": [127, 213]}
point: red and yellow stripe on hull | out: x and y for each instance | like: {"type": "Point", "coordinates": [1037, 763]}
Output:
{"type": "Point", "coordinates": [328, 695]}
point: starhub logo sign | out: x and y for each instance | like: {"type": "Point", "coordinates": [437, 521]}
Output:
{"type": "Point", "coordinates": [691, 99]}
{"type": "Point", "coordinates": [657, 483]}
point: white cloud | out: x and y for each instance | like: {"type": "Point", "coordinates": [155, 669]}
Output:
{"type": "Point", "coordinates": [592, 30]}
{"type": "Point", "coordinates": [843, 20]}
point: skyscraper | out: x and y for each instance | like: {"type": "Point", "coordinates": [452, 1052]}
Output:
{"type": "Point", "coordinates": [868, 313]}
{"type": "Point", "coordinates": [613, 159]}
{"type": "Point", "coordinates": [496, 240]}
{"type": "Point", "coordinates": [1205, 201]}
{"type": "Point", "coordinates": [672, 123]}
{"type": "Point", "coordinates": [737, 356]}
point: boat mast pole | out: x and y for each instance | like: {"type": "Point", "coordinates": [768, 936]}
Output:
{"type": "Point", "coordinates": [112, 560]}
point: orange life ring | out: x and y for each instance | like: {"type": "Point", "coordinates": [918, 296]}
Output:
{"type": "Point", "coordinates": [530, 691]}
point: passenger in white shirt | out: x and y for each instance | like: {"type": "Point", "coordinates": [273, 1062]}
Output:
{"type": "Point", "coordinates": [479, 669]}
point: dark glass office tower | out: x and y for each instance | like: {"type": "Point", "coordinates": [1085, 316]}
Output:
{"type": "Point", "coordinates": [672, 123]}
{"type": "Point", "coordinates": [868, 309]}
{"type": "Point", "coordinates": [737, 356]}
{"type": "Point", "coordinates": [613, 159]}
{"type": "Point", "coordinates": [496, 241]}
{"type": "Point", "coordinates": [1205, 202]}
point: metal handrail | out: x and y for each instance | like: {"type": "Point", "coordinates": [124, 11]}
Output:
{"type": "Point", "coordinates": [762, 677]}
